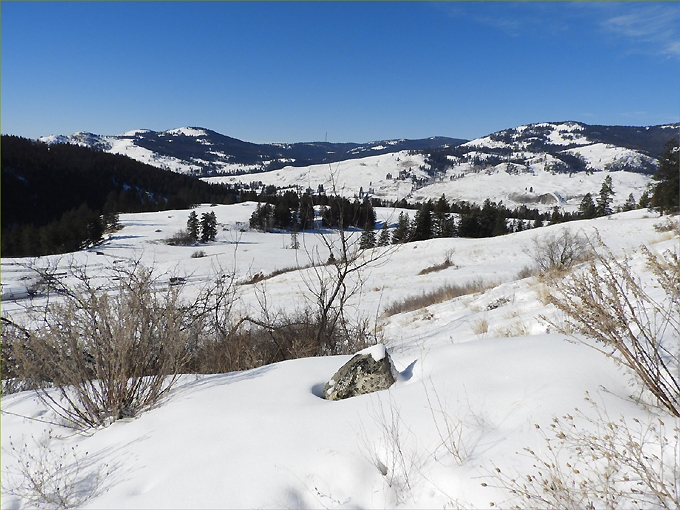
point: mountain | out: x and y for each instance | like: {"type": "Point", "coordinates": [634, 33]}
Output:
{"type": "Point", "coordinates": [538, 165]}
{"type": "Point", "coordinates": [203, 152]}
{"type": "Point", "coordinates": [566, 147]}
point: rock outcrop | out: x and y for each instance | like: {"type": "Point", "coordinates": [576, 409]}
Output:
{"type": "Point", "coordinates": [368, 371]}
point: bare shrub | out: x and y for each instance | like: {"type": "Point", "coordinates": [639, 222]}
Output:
{"type": "Point", "coordinates": [669, 225]}
{"type": "Point", "coordinates": [198, 254]}
{"type": "Point", "coordinates": [180, 238]}
{"type": "Point", "coordinates": [110, 353]}
{"type": "Point", "coordinates": [559, 251]}
{"type": "Point", "coordinates": [444, 293]}
{"type": "Point", "coordinates": [453, 429]}
{"type": "Point", "coordinates": [599, 462]}
{"type": "Point", "coordinates": [46, 478]}
{"type": "Point", "coordinates": [394, 454]}
{"type": "Point", "coordinates": [527, 272]}
{"type": "Point", "coordinates": [608, 304]}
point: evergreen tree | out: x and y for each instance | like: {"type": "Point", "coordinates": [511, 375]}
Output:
{"type": "Point", "coordinates": [367, 239]}
{"type": "Point", "coordinates": [401, 232]}
{"type": "Point", "coordinates": [111, 221]}
{"type": "Point", "coordinates": [442, 222]}
{"type": "Point", "coordinates": [501, 226]}
{"type": "Point", "coordinates": [630, 203]}
{"type": "Point", "coordinates": [306, 212]}
{"type": "Point", "coordinates": [645, 199]}
{"type": "Point", "coordinates": [384, 238]}
{"type": "Point", "coordinates": [587, 207]}
{"type": "Point", "coordinates": [604, 200]}
{"type": "Point", "coordinates": [422, 224]}
{"type": "Point", "coordinates": [193, 226]}
{"type": "Point", "coordinates": [208, 227]}
{"type": "Point", "coordinates": [665, 193]}
{"type": "Point", "coordinates": [282, 215]}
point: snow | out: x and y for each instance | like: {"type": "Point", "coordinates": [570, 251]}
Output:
{"type": "Point", "coordinates": [187, 131]}
{"type": "Point", "coordinates": [265, 438]}
{"type": "Point", "coordinates": [377, 351]}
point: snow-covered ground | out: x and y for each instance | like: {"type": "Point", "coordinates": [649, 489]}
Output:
{"type": "Point", "coordinates": [514, 185]}
{"type": "Point", "coordinates": [265, 437]}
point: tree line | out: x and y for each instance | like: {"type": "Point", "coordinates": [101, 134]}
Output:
{"type": "Point", "coordinates": [60, 198]}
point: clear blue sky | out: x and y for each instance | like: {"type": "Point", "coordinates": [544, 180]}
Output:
{"type": "Point", "coordinates": [351, 71]}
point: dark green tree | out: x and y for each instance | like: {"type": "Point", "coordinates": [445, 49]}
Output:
{"type": "Point", "coordinates": [630, 203]}
{"type": "Point", "coordinates": [384, 237]}
{"type": "Point", "coordinates": [401, 232]}
{"type": "Point", "coordinates": [367, 239]}
{"type": "Point", "coordinates": [665, 192]}
{"type": "Point", "coordinates": [208, 227]}
{"type": "Point", "coordinates": [422, 224]}
{"type": "Point", "coordinates": [193, 226]}
{"type": "Point", "coordinates": [306, 212]}
{"type": "Point", "coordinates": [587, 207]}
{"type": "Point", "coordinates": [604, 200]}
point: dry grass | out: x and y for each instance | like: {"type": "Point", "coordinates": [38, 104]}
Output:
{"type": "Point", "coordinates": [609, 463]}
{"type": "Point", "coordinates": [480, 327]}
{"type": "Point", "coordinates": [439, 295]}
{"type": "Point", "coordinates": [448, 262]}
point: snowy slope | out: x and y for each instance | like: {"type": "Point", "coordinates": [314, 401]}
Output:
{"type": "Point", "coordinates": [533, 186]}
{"type": "Point", "coordinates": [540, 165]}
{"type": "Point", "coordinates": [200, 151]}
{"type": "Point", "coordinates": [265, 438]}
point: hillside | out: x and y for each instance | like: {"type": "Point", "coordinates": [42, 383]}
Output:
{"type": "Point", "coordinates": [202, 152]}
{"type": "Point", "coordinates": [540, 165]}
{"type": "Point", "coordinates": [42, 183]}
{"type": "Point", "coordinates": [481, 378]}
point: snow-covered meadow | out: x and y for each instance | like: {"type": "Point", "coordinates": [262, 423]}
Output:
{"type": "Point", "coordinates": [477, 375]}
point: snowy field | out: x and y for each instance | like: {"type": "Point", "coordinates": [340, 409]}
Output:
{"type": "Point", "coordinates": [265, 438]}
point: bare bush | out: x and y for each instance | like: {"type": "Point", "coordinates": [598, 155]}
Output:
{"type": "Point", "coordinates": [180, 238]}
{"type": "Point", "coordinates": [559, 251]}
{"type": "Point", "coordinates": [599, 462]}
{"type": "Point", "coordinates": [110, 353]}
{"type": "Point", "coordinates": [43, 477]}
{"type": "Point", "coordinates": [608, 304]}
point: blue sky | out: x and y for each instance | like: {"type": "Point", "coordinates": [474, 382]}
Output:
{"type": "Point", "coordinates": [348, 71]}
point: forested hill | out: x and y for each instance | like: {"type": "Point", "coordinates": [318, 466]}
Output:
{"type": "Point", "coordinates": [58, 185]}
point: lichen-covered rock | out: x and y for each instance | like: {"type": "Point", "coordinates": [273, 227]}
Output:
{"type": "Point", "coordinates": [368, 371]}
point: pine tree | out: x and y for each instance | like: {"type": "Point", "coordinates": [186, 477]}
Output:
{"type": "Point", "coordinates": [587, 207]}
{"type": "Point", "coordinates": [422, 224]}
{"type": "Point", "coordinates": [384, 238]}
{"type": "Point", "coordinates": [367, 239]}
{"type": "Point", "coordinates": [401, 232]}
{"type": "Point", "coordinates": [604, 200]}
{"type": "Point", "coordinates": [193, 226]}
{"type": "Point", "coordinates": [630, 203]}
{"type": "Point", "coordinates": [306, 212]}
{"type": "Point", "coordinates": [442, 221]}
{"type": "Point", "coordinates": [208, 227]}
{"type": "Point", "coordinates": [665, 193]}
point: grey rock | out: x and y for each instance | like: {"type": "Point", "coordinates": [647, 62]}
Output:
{"type": "Point", "coordinates": [368, 371]}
